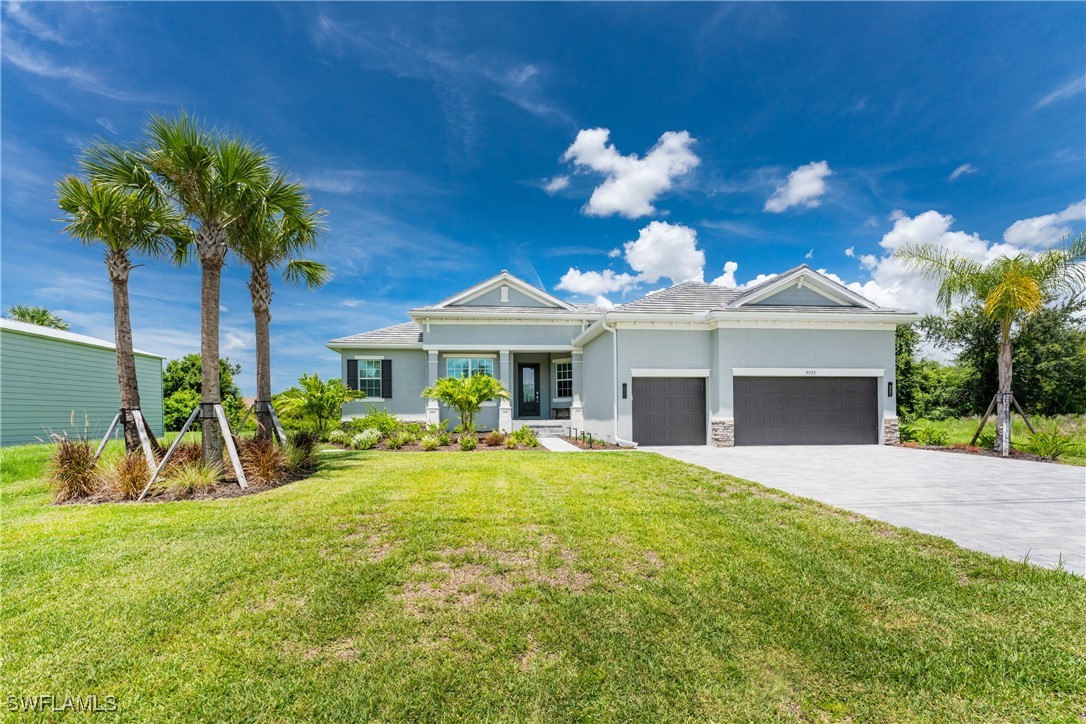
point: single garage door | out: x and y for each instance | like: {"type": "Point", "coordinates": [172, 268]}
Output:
{"type": "Point", "coordinates": [806, 410]}
{"type": "Point", "coordinates": [669, 410]}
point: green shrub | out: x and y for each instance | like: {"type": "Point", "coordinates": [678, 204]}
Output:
{"type": "Point", "coordinates": [444, 438]}
{"type": "Point", "coordinates": [71, 469]}
{"type": "Point", "coordinates": [193, 477]}
{"type": "Point", "coordinates": [511, 442]}
{"type": "Point", "coordinates": [907, 433]}
{"type": "Point", "coordinates": [468, 441]}
{"type": "Point", "coordinates": [932, 435]}
{"type": "Point", "coordinates": [397, 441]}
{"type": "Point", "coordinates": [379, 419]}
{"type": "Point", "coordinates": [525, 436]}
{"type": "Point", "coordinates": [1052, 444]}
{"type": "Point", "coordinates": [495, 438]}
{"type": "Point", "coordinates": [986, 440]}
{"type": "Point", "coordinates": [414, 430]}
{"type": "Point", "coordinates": [366, 440]}
{"type": "Point", "coordinates": [339, 437]}
{"type": "Point", "coordinates": [429, 442]}
{"type": "Point", "coordinates": [301, 450]}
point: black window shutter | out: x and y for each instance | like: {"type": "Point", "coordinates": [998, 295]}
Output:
{"type": "Point", "coordinates": [352, 374]}
{"type": "Point", "coordinates": [386, 378]}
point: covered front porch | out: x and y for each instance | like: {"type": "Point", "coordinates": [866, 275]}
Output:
{"type": "Point", "coordinates": [545, 385]}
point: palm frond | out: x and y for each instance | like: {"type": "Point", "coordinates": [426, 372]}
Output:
{"type": "Point", "coordinates": [957, 277]}
{"type": "Point", "coordinates": [311, 274]}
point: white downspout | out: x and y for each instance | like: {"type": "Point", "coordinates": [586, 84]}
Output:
{"type": "Point", "coordinates": [614, 377]}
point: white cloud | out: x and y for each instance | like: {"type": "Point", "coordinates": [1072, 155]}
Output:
{"type": "Point", "coordinates": [809, 255]}
{"type": "Point", "coordinates": [666, 250]}
{"type": "Point", "coordinates": [594, 283]}
{"type": "Point", "coordinates": [556, 184]}
{"type": "Point", "coordinates": [869, 261]}
{"type": "Point", "coordinates": [18, 12]}
{"type": "Point", "coordinates": [602, 301]}
{"type": "Point", "coordinates": [614, 253]}
{"type": "Point", "coordinates": [895, 215]}
{"type": "Point", "coordinates": [106, 124]}
{"type": "Point", "coordinates": [872, 221]}
{"type": "Point", "coordinates": [1045, 230]}
{"type": "Point", "coordinates": [851, 251]}
{"type": "Point", "coordinates": [965, 168]}
{"type": "Point", "coordinates": [727, 279]}
{"type": "Point", "coordinates": [632, 184]}
{"type": "Point", "coordinates": [804, 187]}
{"type": "Point", "coordinates": [1068, 90]}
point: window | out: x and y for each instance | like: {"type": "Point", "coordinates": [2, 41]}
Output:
{"type": "Point", "coordinates": [468, 366]}
{"type": "Point", "coordinates": [563, 380]}
{"type": "Point", "coordinates": [369, 377]}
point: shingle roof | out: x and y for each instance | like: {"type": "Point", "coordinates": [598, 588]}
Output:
{"type": "Point", "coordinates": [406, 333]}
{"type": "Point", "coordinates": [684, 298]}
{"type": "Point", "coordinates": [578, 311]}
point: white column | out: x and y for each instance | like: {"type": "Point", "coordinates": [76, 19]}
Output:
{"type": "Point", "coordinates": [433, 412]}
{"type": "Point", "coordinates": [576, 410]}
{"type": "Point", "coordinates": [505, 407]}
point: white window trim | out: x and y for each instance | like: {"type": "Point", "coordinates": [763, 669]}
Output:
{"type": "Point", "coordinates": [554, 377]}
{"type": "Point", "coordinates": [471, 356]}
{"type": "Point", "coordinates": [371, 358]}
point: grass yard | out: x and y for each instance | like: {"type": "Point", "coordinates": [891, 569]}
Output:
{"type": "Point", "coordinates": [960, 431]}
{"type": "Point", "coordinates": [522, 586]}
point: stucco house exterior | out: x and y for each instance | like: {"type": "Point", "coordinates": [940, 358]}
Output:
{"type": "Point", "coordinates": [798, 359]}
{"type": "Point", "coordinates": [62, 382]}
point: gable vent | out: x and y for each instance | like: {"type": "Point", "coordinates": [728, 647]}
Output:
{"type": "Point", "coordinates": [505, 294]}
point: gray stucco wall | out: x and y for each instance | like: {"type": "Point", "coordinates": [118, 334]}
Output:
{"type": "Point", "coordinates": [408, 381]}
{"type": "Point", "coordinates": [797, 296]}
{"type": "Point", "coordinates": [47, 382]}
{"type": "Point", "coordinates": [493, 298]}
{"type": "Point", "coordinates": [501, 335]}
{"type": "Point", "coordinates": [598, 387]}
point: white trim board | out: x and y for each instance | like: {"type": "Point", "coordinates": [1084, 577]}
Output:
{"type": "Point", "coordinates": [808, 372]}
{"type": "Point", "coordinates": [670, 372]}
{"type": "Point", "coordinates": [498, 347]}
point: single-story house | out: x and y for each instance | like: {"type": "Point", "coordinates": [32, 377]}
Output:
{"type": "Point", "coordinates": [797, 359]}
{"type": "Point", "coordinates": [53, 381]}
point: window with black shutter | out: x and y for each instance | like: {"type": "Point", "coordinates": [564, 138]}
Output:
{"type": "Point", "coordinates": [352, 374]}
{"type": "Point", "coordinates": [386, 378]}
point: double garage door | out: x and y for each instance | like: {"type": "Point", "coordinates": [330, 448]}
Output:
{"type": "Point", "coordinates": [768, 410]}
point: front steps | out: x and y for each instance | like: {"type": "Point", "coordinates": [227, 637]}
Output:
{"type": "Point", "coordinates": [545, 428]}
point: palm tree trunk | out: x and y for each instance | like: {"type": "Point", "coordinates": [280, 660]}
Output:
{"type": "Point", "coordinates": [1003, 404]}
{"type": "Point", "coordinates": [261, 293]}
{"type": "Point", "coordinates": [119, 266]}
{"type": "Point", "coordinates": [211, 248]}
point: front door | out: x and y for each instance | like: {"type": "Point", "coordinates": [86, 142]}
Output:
{"type": "Point", "coordinates": [528, 390]}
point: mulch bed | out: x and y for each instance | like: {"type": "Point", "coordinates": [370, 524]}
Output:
{"type": "Point", "coordinates": [986, 452]}
{"type": "Point", "coordinates": [227, 488]}
{"type": "Point", "coordinates": [595, 445]}
{"type": "Point", "coordinates": [454, 447]}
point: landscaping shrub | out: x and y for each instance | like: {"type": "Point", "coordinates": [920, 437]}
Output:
{"type": "Point", "coordinates": [397, 441]}
{"type": "Point", "coordinates": [339, 437]}
{"type": "Point", "coordinates": [525, 436]}
{"type": "Point", "coordinates": [366, 440]}
{"type": "Point", "coordinates": [263, 462]}
{"type": "Point", "coordinates": [986, 440]}
{"type": "Point", "coordinates": [511, 442]}
{"type": "Point", "coordinates": [414, 430]}
{"type": "Point", "coordinates": [924, 435]}
{"type": "Point", "coordinates": [126, 477]}
{"type": "Point", "coordinates": [906, 433]}
{"type": "Point", "coordinates": [444, 438]}
{"type": "Point", "coordinates": [193, 477]}
{"type": "Point", "coordinates": [71, 469]}
{"type": "Point", "coordinates": [379, 419]}
{"type": "Point", "coordinates": [1052, 444]}
{"type": "Point", "coordinates": [301, 450]}
{"type": "Point", "coordinates": [429, 443]}
{"type": "Point", "coordinates": [468, 442]}
{"type": "Point", "coordinates": [495, 438]}
{"type": "Point", "coordinates": [183, 454]}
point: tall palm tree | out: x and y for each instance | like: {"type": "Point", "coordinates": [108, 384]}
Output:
{"type": "Point", "coordinates": [271, 236]}
{"type": "Point", "coordinates": [211, 178]}
{"type": "Point", "coordinates": [40, 316]}
{"type": "Point", "coordinates": [1010, 288]}
{"type": "Point", "coordinates": [123, 222]}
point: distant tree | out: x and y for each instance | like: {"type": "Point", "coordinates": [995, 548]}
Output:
{"type": "Point", "coordinates": [907, 369]}
{"type": "Point", "coordinates": [36, 315]}
{"type": "Point", "coordinates": [1010, 288]}
{"type": "Point", "coordinates": [318, 402]}
{"type": "Point", "coordinates": [182, 382]}
{"type": "Point", "coordinates": [466, 395]}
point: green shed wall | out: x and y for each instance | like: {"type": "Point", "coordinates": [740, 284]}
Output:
{"type": "Point", "coordinates": [43, 381]}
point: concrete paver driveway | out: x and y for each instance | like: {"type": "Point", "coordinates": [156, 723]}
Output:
{"type": "Point", "coordinates": [1011, 508]}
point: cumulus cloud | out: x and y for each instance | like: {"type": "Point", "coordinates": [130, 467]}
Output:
{"type": "Point", "coordinates": [1045, 230]}
{"type": "Point", "coordinates": [851, 251]}
{"type": "Point", "coordinates": [556, 184]}
{"type": "Point", "coordinates": [594, 283]}
{"type": "Point", "coordinates": [666, 250]}
{"type": "Point", "coordinates": [632, 183]}
{"type": "Point", "coordinates": [604, 302]}
{"type": "Point", "coordinates": [803, 187]}
{"type": "Point", "coordinates": [727, 279]}
{"type": "Point", "coordinates": [965, 168]}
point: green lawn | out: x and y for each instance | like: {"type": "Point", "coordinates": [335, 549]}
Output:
{"type": "Point", "coordinates": [522, 585]}
{"type": "Point", "coordinates": [960, 431]}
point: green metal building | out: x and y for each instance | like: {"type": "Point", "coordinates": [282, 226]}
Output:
{"type": "Point", "coordinates": [59, 382]}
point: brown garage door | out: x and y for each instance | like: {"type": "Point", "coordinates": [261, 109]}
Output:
{"type": "Point", "coordinates": [669, 410]}
{"type": "Point", "coordinates": [805, 410]}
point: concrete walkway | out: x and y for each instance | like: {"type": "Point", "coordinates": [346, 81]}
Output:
{"type": "Point", "coordinates": [557, 444]}
{"type": "Point", "coordinates": [1011, 508]}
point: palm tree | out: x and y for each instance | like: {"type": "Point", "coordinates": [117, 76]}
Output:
{"type": "Point", "coordinates": [466, 395]}
{"type": "Point", "coordinates": [1009, 288]}
{"type": "Point", "coordinates": [123, 221]}
{"type": "Point", "coordinates": [36, 315]}
{"type": "Point", "coordinates": [212, 179]}
{"type": "Point", "coordinates": [270, 236]}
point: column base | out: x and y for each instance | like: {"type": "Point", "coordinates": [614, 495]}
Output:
{"type": "Point", "coordinates": [891, 434]}
{"type": "Point", "coordinates": [505, 416]}
{"type": "Point", "coordinates": [723, 433]}
{"type": "Point", "coordinates": [433, 413]}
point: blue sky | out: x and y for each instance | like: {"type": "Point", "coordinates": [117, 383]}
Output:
{"type": "Point", "coordinates": [595, 150]}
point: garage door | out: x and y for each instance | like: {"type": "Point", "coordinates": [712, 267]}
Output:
{"type": "Point", "coordinates": [669, 410]}
{"type": "Point", "coordinates": [806, 410]}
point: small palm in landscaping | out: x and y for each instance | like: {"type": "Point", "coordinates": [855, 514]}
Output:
{"type": "Point", "coordinates": [319, 402]}
{"type": "Point", "coordinates": [466, 395]}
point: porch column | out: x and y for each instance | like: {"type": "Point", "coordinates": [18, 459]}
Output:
{"type": "Point", "coordinates": [433, 412]}
{"type": "Point", "coordinates": [576, 410]}
{"type": "Point", "coordinates": [505, 407]}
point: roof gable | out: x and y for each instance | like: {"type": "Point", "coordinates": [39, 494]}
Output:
{"type": "Point", "coordinates": [802, 287]}
{"type": "Point", "coordinates": [503, 290]}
